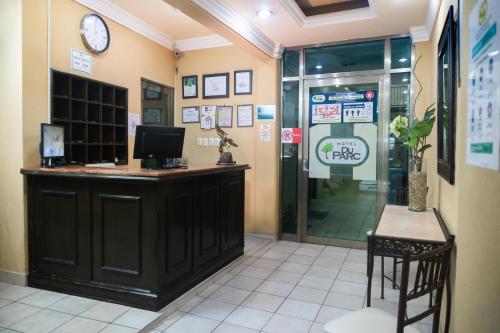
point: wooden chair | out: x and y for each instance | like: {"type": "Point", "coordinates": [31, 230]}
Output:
{"type": "Point", "coordinates": [430, 278]}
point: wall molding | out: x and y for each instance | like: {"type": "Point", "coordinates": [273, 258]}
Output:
{"type": "Point", "coordinates": [423, 33]}
{"type": "Point", "coordinates": [328, 19]}
{"type": "Point", "coordinates": [237, 23]}
{"type": "Point", "coordinates": [198, 43]}
{"type": "Point", "coordinates": [13, 278]}
{"type": "Point", "coordinates": [123, 17]}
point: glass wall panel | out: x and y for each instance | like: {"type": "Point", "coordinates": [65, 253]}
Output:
{"type": "Point", "coordinates": [400, 52]}
{"type": "Point", "coordinates": [345, 58]}
{"type": "Point", "coordinates": [291, 63]}
{"type": "Point", "coordinates": [398, 154]}
{"type": "Point", "coordinates": [290, 118]}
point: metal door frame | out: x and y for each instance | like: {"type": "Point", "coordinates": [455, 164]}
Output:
{"type": "Point", "coordinates": [303, 158]}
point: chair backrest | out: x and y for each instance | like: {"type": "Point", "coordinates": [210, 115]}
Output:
{"type": "Point", "coordinates": [432, 270]}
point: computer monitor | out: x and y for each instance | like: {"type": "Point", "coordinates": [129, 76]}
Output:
{"type": "Point", "coordinates": [52, 141]}
{"type": "Point", "coordinates": [158, 142]}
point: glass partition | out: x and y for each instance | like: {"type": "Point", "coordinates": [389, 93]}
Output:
{"type": "Point", "coordinates": [291, 63]}
{"type": "Point", "coordinates": [345, 58]}
{"type": "Point", "coordinates": [400, 52]}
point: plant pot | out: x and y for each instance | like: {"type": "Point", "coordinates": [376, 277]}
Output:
{"type": "Point", "coordinates": [417, 186]}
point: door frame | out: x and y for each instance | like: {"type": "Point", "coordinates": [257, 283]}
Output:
{"type": "Point", "coordinates": [383, 81]}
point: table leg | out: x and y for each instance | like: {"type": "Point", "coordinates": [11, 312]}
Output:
{"type": "Point", "coordinates": [448, 303]}
{"type": "Point", "coordinates": [369, 272]}
{"type": "Point", "coordinates": [382, 284]}
{"type": "Point", "coordinates": [394, 266]}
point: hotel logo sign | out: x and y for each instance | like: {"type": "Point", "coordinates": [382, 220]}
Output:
{"type": "Point", "coordinates": [342, 151]}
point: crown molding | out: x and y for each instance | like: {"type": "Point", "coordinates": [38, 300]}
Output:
{"type": "Point", "coordinates": [197, 43]}
{"type": "Point", "coordinates": [423, 33]}
{"type": "Point", "coordinates": [237, 23]}
{"type": "Point", "coordinates": [303, 21]}
{"type": "Point", "coordinates": [278, 51]}
{"type": "Point", "coordinates": [123, 17]}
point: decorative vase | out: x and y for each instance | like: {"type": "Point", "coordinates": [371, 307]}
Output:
{"type": "Point", "coordinates": [417, 186]}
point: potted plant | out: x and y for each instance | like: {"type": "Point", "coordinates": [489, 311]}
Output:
{"type": "Point", "coordinates": [413, 134]}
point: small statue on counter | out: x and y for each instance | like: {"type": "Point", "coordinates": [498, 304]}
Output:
{"type": "Point", "coordinates": [225, 143]}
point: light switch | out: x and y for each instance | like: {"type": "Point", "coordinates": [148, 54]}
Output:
{"type": "Point", "coordinates": [199, 141]}
{"type": "Point", "coordinates": [205, 141]}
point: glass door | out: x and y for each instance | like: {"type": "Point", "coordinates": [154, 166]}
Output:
{"type": "Point", "coordinates": [342, 182]}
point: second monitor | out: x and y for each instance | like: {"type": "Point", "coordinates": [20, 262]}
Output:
{"type": "Point", "coordinates": [159, 143]}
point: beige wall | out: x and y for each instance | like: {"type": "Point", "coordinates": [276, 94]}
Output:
{"type": "Point", "coordinates": [129, 58]}
{"type": "Point", "coordinates": [262, 180]}
{"type": "Point", "coordinates": [470, 207]}
{"type": "Point", "coordinates": [11, 188]}
{"type": "Point", "coordinates": [25, 67]}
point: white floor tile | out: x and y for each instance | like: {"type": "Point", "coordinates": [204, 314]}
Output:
{"type": "Point", "coordinates": [136, 318]}
{"type": "Point", "coordinates": [328, 313]}
{"type": "Point", "coordinates": [14, 293]}
{"type": "Point", "coordinates": [169, 320]}
{"type": "Point", "coordinates": [316, 282]}
{"type": "Point", "coordinates": [300, 259]}
{"type": "Point", "coordinates": [43, 298]}
{"type": "Point", "coordinates": [354, 267]}
{"type": "Point", "coordinates": [323, 272]}
{"type": "Point", "coordinates": [349, 288]}
{"type": "Point", "coordinates": [190, 304]}
{"type": "Point", "coordinates": [249, 318]}
{"type": "Point", "coordinates": [4, 285]}
{"type": "Point", "coordinates": [213, 309]}
{"type": "Point", "coordinates": [275, 255]}
{"type": "Point", "coordinates": [211, 289]}
{"type": "Point", "coordinates": [310, 295]}
{"type": "Point", "coordinates": [328, 263]}
{"type": "Point", "coordinates": [15, 312]}
{"type": "Point", "coordinates": [112, 328]}
{"type": "Point", "coordinates": [230, 295]}
{"type": "Point", "coordinates": [267, 263]}
{"type": "Point", "coordinates": [284, 324]}
{"type": "Point", "coordinates": [344, 301]}
{"type": "Point", "coordinates": [263, 302]}
{"type": "Point", "coordinates": [256, 272]}
{"type": "Point", "coordinates": [293, 267]}
{"type": "Point", "coordinates": [307, 251]}
{"type": "Point", "coordinates": [4, 302]}
{"type": "Point", "coordinates": [105, 311]}
{"type": "Point", "coordinates": [285, 277]}
{"type": "Point", "coordinates": [42, 321]}
{"type": "Point", "coordinates": [79, 324]}
{"type": "Point", "coordinates": [230, 328]}
{"type": "Point", "coordinates": [353, 277]}
{"type": "Point", "coordinates": [317, 328]}
{"type": "Point", "coordinates": [73, 305]}
{"type": "Point", "coordinates": [283, 248]}
{"type": "Point", "coordinates": [224, 278]}
{"type": "Point", "coordinates": [336, 249]}
{"type": "Point", "coordinates": [275, 288]}
{"type": "Point", "coordinates": [244, 282]}
{"type": "Point", "coordinates": [299, 309]}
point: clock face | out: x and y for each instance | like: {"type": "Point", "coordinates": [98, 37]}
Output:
{"type": "Point", "coordinates": [95, 33]}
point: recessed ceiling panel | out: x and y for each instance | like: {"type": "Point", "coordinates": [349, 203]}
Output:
{"type": "Point", "coordinates": [318, 7]}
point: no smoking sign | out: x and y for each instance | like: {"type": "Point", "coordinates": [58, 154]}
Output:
{"type": "Point", "coordinates": [291, 135]}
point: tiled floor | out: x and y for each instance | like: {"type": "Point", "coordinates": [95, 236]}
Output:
{"type": "Point", "coordinates": [284, 287]}
{"type": "Point", "coordinates": [278, 287]}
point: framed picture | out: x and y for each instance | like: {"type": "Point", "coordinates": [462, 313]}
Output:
{"type": "Point", "coordinates": [151, 116]}
{"type": "Point", "coordinates": [190, 86]}
{"type": "Point", "coordinates": [243, 82]}
{"type": "Point", "coordinates": [225, 116]}
{"type": "Point", "coordinates": [244, 115]}
{"type": "Point", "coordinates": [152, 95]}
{"type": "Point", "coordinates": [446, 97]}
{"type": "Point", "coordinates": [216, 85]}
{"type": "Point", "coordinates": [207, 118]}
{"type": "Point", "coordinates": [190, 114]}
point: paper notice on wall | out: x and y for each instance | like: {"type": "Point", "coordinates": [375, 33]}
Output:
{"type": "Point", "coordinates": [265, 132]}
{"type": "Point", "coordinates": [133, 121]}
{"type": "Point", "coordinates": [483, 114]}
{"type": "Point", "coordinates": [326, 113]}
{"type": "Point", "coordinates": [81, 61]}
{"type": "Point", "coordinates": [291, 135]}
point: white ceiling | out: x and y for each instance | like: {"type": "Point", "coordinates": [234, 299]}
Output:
{"type": "Point", "coordinates": [164, 17]}
{"type": "Point", "coordinates": [386, 17]}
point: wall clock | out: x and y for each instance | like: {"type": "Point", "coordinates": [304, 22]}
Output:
{"type": "Point", "coordinates": [95, 33]}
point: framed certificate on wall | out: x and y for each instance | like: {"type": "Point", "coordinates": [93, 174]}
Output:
{"type": "Point", "coordinates": [225, 116]}
{"type": "Point", "coordinates": [216, 85]}
{"type": "Point", "coordinates": [244, 115]}
{"type": "Point", "coordinates": [243, 82]}
{"type": "Point", "coordinates": [190, 114]}
{"type": "Point", "coordinates": [190, 86]}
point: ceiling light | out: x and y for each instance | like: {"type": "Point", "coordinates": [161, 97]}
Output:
{"type": "Point", "coordinates": [264, 13]}
{"type": "Point", "coordinates": [403, 59]}
{"type": "Point", "coordinates": [494, 53]}
{"type": "Point", "coordinates": [405, 92]}
{"type": "Point", "coordinates": [405, 79]}
{"type": "Point", "coordinates": [319, 66]}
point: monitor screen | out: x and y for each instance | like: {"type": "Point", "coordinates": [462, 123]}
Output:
{"type": "Point", "coordinates": [52, 141]}
{"type": "Point", "coordinates": [158, 142]}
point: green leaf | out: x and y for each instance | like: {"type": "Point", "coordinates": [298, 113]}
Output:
{"type": "Point", "coordinates": [424, 147]}
{"type": "Point", "coordinates": [422, 128]}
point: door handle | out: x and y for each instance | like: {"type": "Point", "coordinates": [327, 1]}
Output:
{"type": "Point", "coordinates": [304, 167]}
